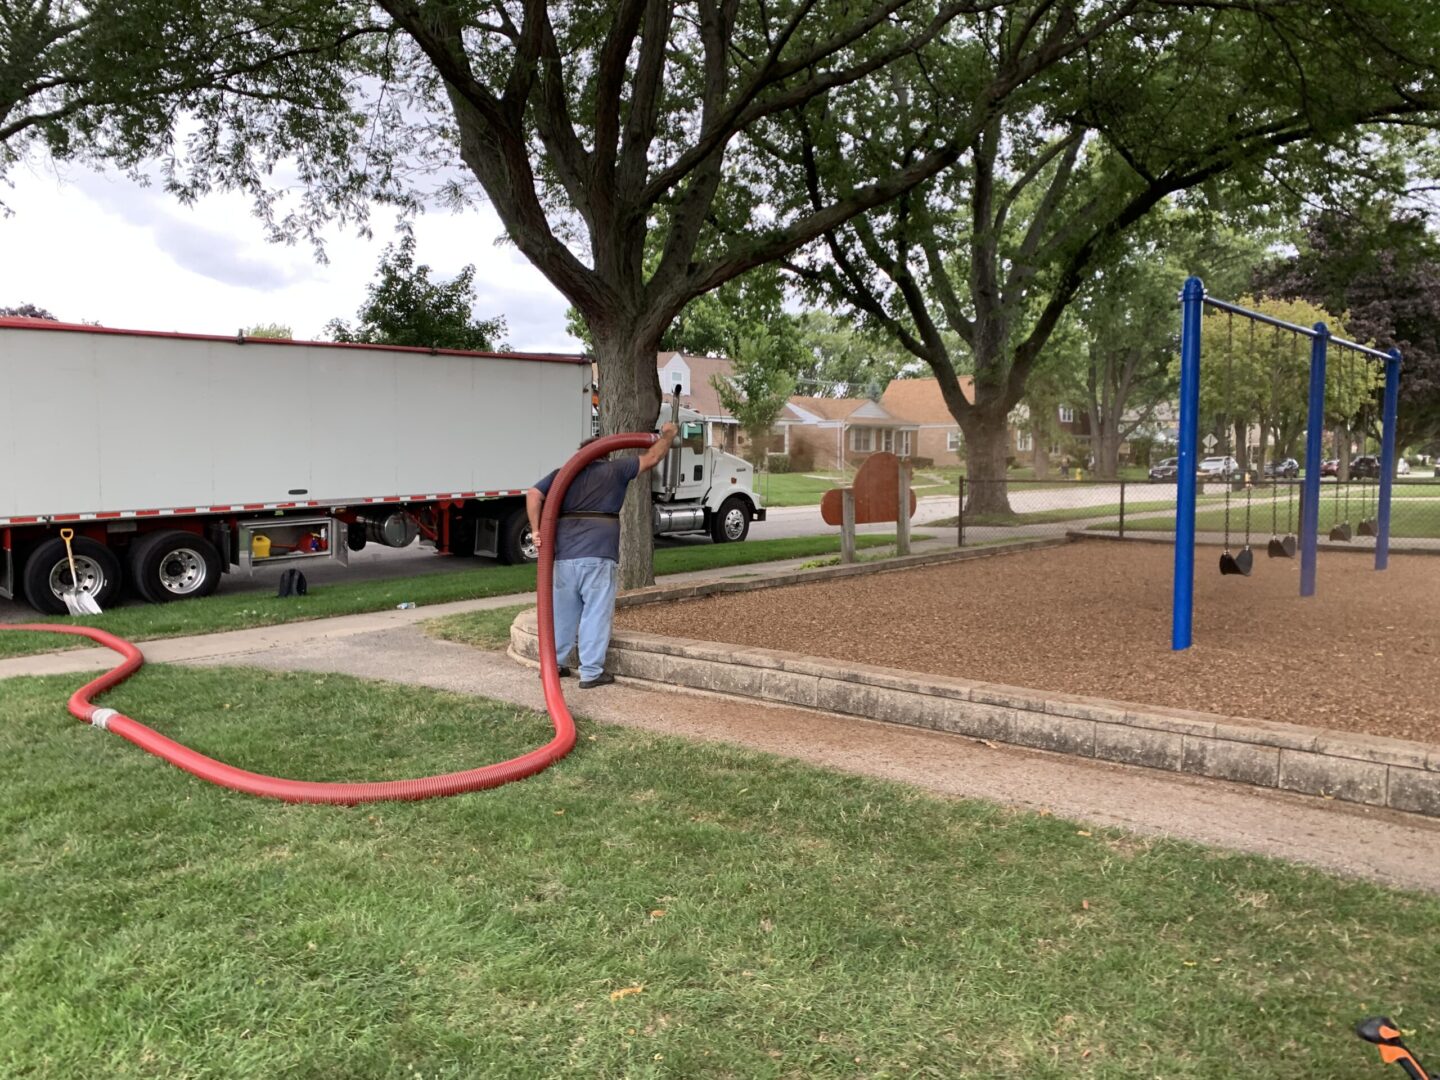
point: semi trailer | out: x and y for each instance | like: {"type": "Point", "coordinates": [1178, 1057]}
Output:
{"type": "Point", "coordinates": [179, 458]}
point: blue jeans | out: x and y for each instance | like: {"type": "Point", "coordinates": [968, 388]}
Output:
{"type": "Point", "coordinates": [585, 603]}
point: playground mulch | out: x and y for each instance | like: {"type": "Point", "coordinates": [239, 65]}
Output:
{"type": "Point", "coordinates": [1093, 619]}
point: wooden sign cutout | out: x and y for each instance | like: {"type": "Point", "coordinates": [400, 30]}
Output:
{"type": "Point", "coordinates": [877, 493]}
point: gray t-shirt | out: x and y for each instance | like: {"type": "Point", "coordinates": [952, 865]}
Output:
{"type": "Point", "coordinates": [599, 489]}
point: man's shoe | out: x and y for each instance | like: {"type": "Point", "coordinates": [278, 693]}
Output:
{"type": "Point", "coordinates": [564, 672]}
{"type": "Point", "coordinates": [603, 679]}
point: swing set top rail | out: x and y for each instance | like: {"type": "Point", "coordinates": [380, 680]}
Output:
{"type": "Point", "coordinates": [1308, 331]}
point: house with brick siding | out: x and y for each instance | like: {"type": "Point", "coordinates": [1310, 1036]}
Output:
{"type": "Point", "coordinates": [937, 435]}
{"type": "Point", "coordinates": [826, 433]}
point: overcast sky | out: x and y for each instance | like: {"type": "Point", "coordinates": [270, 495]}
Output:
{"type": "Point", "coordinates": [99, 247]}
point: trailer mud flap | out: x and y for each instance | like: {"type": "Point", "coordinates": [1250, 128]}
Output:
{"type": "Point", "coordinates": [487, 537]}
{"type": "Point", "coordinates": [7, 569]}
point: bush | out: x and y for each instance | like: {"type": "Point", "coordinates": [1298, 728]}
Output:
{"type": "Point", "coordinates": [778, 463]}
{"type": "Point", "coordinates": [922, 463]}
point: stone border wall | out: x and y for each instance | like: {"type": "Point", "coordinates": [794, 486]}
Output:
{"type": "Point", "coordinates": [1370, 770]}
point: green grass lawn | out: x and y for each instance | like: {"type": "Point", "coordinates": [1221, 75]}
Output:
{"type": "Point", "coordinates": [649, 907]}
{"type": "Point", "coordinates": [1408, 520]}
{"type": "Point", "coordinates": [488, 629]}
{"type": "Point", "coordinates": [1073, 513]}
{"type": "Point", "coordinates": [142, 622]}
{"type": "Point", "coordinates": [794, 489]}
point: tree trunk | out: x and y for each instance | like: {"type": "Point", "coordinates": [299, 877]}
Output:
{"type": "Point", "coordinates": [630, 401]}
{"type": "Point", "coordinates": [1041, 460]}
{"type": "Point", "coordinates": [1342, 452]}
{"type": "Point", "coordinates": [1242, 444]}
{"type": "Point", "coordinates": [1107, 456]}
{"type": "Point", "coordinates": [987, 446]}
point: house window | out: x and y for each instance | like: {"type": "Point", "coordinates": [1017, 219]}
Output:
{"type": "Point", "coordinates": [952, 441]}
{"type": "Point", "coordinates": [862, 439]}
{"type": "Point", "coordinates": [903, 441]}
{"type": "Point", "coordinates": [1023, 442]}
{"type": "Point", "coordinates": [887, 440]}
{"type": "Point", "coordinates": [1067, 414]}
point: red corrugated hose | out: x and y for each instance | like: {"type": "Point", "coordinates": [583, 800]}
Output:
{"type": "Point", "coordinates": [428, 787]}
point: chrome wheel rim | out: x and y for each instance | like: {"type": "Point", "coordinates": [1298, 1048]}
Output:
{"type": "Point", "coordinates": [182, 572]}
{"type": "Point", "coordinates": [527, 545]}
{"type": "Point", "coordinates": [89, 578]}
{"type": "Point", "coordinates": [735, 524]}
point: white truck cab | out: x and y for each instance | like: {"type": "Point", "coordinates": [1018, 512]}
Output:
{"type": "Point", "coordinates": [701, 489]}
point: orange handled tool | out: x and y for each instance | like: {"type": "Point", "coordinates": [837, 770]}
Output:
{"type": "Point", "coordinates": [1381, 1031]}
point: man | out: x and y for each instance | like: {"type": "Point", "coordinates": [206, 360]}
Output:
{"type": "Point", "coordinates": [587, 554]}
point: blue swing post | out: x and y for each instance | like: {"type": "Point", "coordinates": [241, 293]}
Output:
{"type": "Point", "coordinates": [1183, 608]}
{"type": "Point", "coordinates": [1314, 433]}
{"type": "Point", "coordinates": [1387, 457]}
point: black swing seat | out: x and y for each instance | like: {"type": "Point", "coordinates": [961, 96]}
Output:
{"type": "Point", "coordinates": [1240, 563]}
{"type": "Point", "coordinates": [1368, 527]}
{"type": "Point", "coordinates": [1282, 547]}
{"type": "Point", "coordinates": [1341, 532]}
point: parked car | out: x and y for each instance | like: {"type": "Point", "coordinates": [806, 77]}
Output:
{"type": "Point", "coordinates": [1287, 469]}
{"type": "Point", "coordinates": [1330, 467]}
{"type": "Point", "coordinates": [1218, 466]}
{"type": "Point", "coordinates": [1167, 469]}
{"type": "Point", "coordinates": [1367, 466]}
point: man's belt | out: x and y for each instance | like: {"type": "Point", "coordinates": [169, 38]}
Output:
{"type": "Point", "coordinates": [590, 514]}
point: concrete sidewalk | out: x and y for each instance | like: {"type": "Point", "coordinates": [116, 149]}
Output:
{"type": "Point", "coordinates": [1383, 846]}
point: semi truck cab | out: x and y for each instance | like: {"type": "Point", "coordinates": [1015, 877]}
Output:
{"type": "Point", "coordinates": [702, 489]}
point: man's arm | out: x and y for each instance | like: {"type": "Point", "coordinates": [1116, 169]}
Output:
{"type": "Point", "coordinates": [658, 449]}
{"type": "Point", "coordinates": [534, 503]}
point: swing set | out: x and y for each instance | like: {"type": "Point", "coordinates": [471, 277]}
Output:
{"type": "Point", "coordinates": [1375, 519]}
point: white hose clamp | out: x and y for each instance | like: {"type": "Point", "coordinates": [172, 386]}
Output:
{"type": "Point", "coordinates": [101, 718]}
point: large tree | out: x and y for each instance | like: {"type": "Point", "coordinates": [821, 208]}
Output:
{"type": "Point", "coordinates": [1381, 266]}
{"type": "Point", "coordinates": [1245, 107]}
{"type": "Point", "coordinates": [587, 126]}
{"type": "Point", "coordinates": [404, 307]}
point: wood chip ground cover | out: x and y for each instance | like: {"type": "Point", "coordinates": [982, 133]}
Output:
{"type": "Point", "coordinates": [1093, 618]}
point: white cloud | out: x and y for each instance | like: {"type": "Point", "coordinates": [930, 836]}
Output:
{"type": "Point", "coordinates": [106, 249]}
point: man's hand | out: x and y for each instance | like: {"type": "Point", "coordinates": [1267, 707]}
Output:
{"type": "Point", "coordinates": [658, 449]}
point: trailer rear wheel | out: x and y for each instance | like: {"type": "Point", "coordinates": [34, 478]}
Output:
{"type": "Point", "coordinates": [174, 565]}
{"type": "Point", "coordinates": [732, 523]}
{"type": "Point", "coordinates": [47, 574]}
{"type": "Point", "coordinates": [517, 545]}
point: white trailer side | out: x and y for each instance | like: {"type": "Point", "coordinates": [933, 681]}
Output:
{"type": "Point", "coordinates": [124, 423]}
{"type": "Point", "coordinates": [174, 457]}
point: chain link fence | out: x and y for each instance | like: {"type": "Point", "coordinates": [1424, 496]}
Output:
{"type": "Point", "coordinates": [1244, 512]}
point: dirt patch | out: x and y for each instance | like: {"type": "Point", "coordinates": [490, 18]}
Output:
{"type": "Point", "coordinates": [1094, 619]}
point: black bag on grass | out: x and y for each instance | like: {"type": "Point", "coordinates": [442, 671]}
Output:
{"type": "Point", "coordinates": [292, 583]}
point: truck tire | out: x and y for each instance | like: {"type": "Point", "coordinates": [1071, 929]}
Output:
{"type": "Point", "coordinates": [174, 565]}
{"type": "Point", "coordinates": [732, 523]}
{"type": "Point", "coordinates": [47, 573]}
{"type": "Point", "coordinates": [516, 543]}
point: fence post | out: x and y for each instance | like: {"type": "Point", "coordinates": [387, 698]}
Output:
{"type": "Point", "coordinates": [902, 511]}
{"type": "Point", "coordinates": [960, 517]}
{"type": "Point", "coordinates": [847, 525]}
{"type": "Point", "coordinates": [1122, 509]}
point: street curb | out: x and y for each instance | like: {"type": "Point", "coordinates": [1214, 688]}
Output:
{"type": "Point", "coordinates": [1369, 770]}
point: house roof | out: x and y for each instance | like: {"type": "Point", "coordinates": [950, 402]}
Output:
{"type": "Point", "coordinates": [853, 412]}
{"type": "Point", "coordinates": [920, 401]}
{"type": "Point", "coordinates": [694, 374]}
